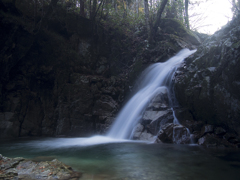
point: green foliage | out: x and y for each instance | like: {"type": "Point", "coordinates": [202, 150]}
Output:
{"type": "Point", "coordinates": [175, 10]}
{"type": "Point", "coordinates": [126, 23]}
{"type": "Point", "coordinates": [125, 15]}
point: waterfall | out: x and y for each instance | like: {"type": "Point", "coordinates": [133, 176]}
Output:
{"type": "Point", "coordinates": [153, 79]}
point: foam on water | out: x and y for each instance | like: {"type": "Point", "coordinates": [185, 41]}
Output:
{"type": "Point", "coordinates": [52, 143]}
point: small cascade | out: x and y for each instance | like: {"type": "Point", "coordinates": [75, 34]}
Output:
{"type": "Point", "coordinates": [175, 120]}
{"type": "Point", "coordinates": [191, 136]}
{"type": "Point", "coordinates": [156, 79]}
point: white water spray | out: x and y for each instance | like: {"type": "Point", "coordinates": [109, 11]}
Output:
{"type": "Point", "coordinates": [153, 78]}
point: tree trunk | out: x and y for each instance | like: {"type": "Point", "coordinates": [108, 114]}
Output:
{"type": "Point", "coordinates": [95, 14]}
{"type": "Point", "coordinates": [116, 7]}
{"type": "Point", "coordinates": [94, 8]}
{"type": "Point", "coordinates": [146, 9]}
{"type": "Point", "coordinates": [113, 4]}
{"type": "Point", "coordinates": [137, 7]}
{"type": "Point", "coordinates": [90, 9]}
{"type": "Point", "coordinates": [159, 16]}
{"type": "Point", "coordinates": [127, 7]}
{"type": "Point", "coordinates": [125, 11]}
{"type": "Point", "coordinates": [186, 14]}
{"type": "Point", "coordinates": [82, 13]}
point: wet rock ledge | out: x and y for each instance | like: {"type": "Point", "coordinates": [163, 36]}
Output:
{"type": "Point", "coordinates": [23, 169]}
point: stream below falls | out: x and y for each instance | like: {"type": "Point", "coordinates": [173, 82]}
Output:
{"type": "Point", "coordinates": [101, 158]}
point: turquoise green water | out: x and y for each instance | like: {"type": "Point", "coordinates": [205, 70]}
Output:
{"type": "Point", "coordinates": [129, 160]}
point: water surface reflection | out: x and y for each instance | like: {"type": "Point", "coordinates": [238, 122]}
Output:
{"type": "Point", "coordinates": [130, 160]}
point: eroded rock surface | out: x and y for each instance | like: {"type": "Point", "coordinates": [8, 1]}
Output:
{"type": "Point", "coordinates": [174, 133]}
{"type": "Point", "coordinates": [22, 169]}
{"type": "Point", "coordinates": [57, 81]}
{"type": "Point", "coordinates": [157, 123]}
{"type": "Point", "coordinates": [207, 85]}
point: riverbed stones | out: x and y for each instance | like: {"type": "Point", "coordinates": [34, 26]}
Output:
{"type": "Point", "coordinates": [138, 129]}
{"type": "Point", "coordinates": [174, 133]}
{"type": "Point", "coordinates": [211, 140]}
{"type": "Point", "coordinates": [140, 133]}
{"type": "Point", "coordinates": [154, 119]}
{"type": "Point", "coordinates": [157, 121]}
{"type": "Point", "coordinates": [166, 133]}
{"type": "Point", "coordinates": [229, 136]}
{"type": "Point", "coordinates": [181, 134]}
{"type": "Point", "coordinates": [157, 112]}
{"type": "Point", "coordinates": [145, 136]}
{"type": "Point", "coordinates": [207, 129]}
{"type": "Point", "coordinates": [22, 169]}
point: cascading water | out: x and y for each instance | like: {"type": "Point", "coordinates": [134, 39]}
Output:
{"type": "Point", "coordinates": [154, 78]}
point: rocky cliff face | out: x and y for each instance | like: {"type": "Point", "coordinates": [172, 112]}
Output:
{"type": "Point", "coordinates": [61, 79]}
{"type": "Point", "coordinates": [67, 76]}
{"type": "Point", "coordinates": [207, 86]}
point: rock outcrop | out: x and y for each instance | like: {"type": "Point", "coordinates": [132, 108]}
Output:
{"type": "Point", "coordinates": [20, 168]}
{"type": "Point", "coordinates": [174, 133]}
{"type": "Point", "coordinates": [59, 79]}
{"type": "Point", "coordinates": [157, 123]}
{"type": "Point", "coordinates": [207, 86]}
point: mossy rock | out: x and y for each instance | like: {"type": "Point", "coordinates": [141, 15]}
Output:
{"type": "Point", "coordinates": [174, 26]}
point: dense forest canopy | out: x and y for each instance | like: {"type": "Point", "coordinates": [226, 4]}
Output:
{"type": "Point", "coordinates": [124, 14]}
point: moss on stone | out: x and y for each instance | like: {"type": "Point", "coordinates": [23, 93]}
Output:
{"type": "Point", "coordinates": [175, 27]}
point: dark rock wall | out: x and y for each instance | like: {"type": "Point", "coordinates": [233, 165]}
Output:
{"type": "Point", "coordinates": [60, 79]}
{"type": "Point", "coordinates": [208, 86]}
{"type": "Point", "coordinates": [64, 75]}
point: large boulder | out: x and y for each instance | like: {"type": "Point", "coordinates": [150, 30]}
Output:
{"type": "Point", "coordinates": [141, 133]}
{"type": "Point", "coordinates": [153, 120]}
{"type": "Point", "coordinates": [20, 168]}
{"type": "Point", "coordinates": [157, 123]}
{"type": "Point", "coordinates": [157, 113]}
{"type": "Point", "coordinates": [175, 27]}
{"type": "Point", "coordinates": [212, 140]}
{"type": "Point", "coordinates": [174, 133]}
